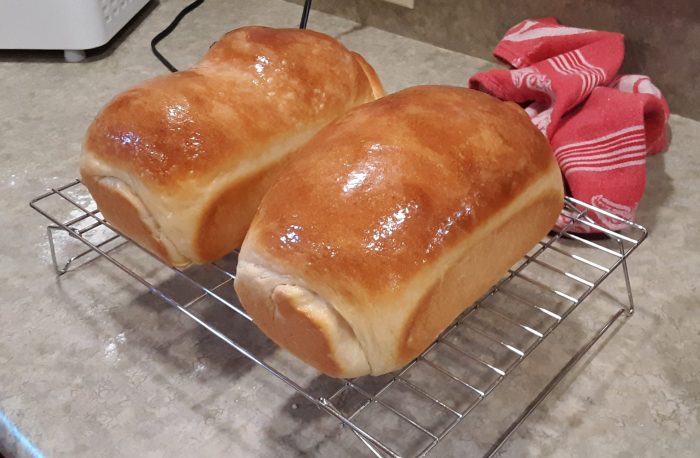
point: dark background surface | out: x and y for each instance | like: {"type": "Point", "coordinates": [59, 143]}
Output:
{"type": "Point", "coordinates": [661, 38]}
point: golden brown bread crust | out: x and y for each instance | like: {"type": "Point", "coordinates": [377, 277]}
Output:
{"type": "Point", "coordinates": [400, 214]}
{"type": "Point", "coordinates": [257, 95]}
{"type": "Point", "coordinates": [226, 218]}
{"type": "Point", "coordinates": [377, 88]}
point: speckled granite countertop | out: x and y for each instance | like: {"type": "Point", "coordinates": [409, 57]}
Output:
{"type": "Point", "coordinates": [92, 365]}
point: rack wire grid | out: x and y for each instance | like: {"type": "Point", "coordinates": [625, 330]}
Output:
{"type": "Point", "coordinates": [430, 396]}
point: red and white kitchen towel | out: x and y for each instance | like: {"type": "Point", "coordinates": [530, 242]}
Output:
{"type": "Point", "coordinates": [600, 126]}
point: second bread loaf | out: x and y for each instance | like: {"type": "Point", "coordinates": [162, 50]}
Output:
{"type": "Point", "coordinates": [391, 221]}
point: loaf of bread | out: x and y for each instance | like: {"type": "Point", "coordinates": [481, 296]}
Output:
{"type": "Point", "coordinates": [179, 163]}
{"type": "Point", "coordinates": [391, 222]}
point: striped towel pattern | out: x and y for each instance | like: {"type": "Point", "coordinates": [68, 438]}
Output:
{"type": "Point", "coordinates": [601, 126]}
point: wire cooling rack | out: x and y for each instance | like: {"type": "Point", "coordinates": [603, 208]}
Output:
{"type": "Point", "coordinates": [409, 412]}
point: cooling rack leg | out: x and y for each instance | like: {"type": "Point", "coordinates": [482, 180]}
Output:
{"type": "Point", "coordinates": [62, 268]}
{"type": "Point", "coordinates": [630, 300]}
{"type": "Point", "coordinates": [552, 384]}
{"type": "Point", "coordinates": [50, 230]}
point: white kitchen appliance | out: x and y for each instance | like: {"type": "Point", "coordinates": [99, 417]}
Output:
{"type": "Point", "coordinates": [69, 25]}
